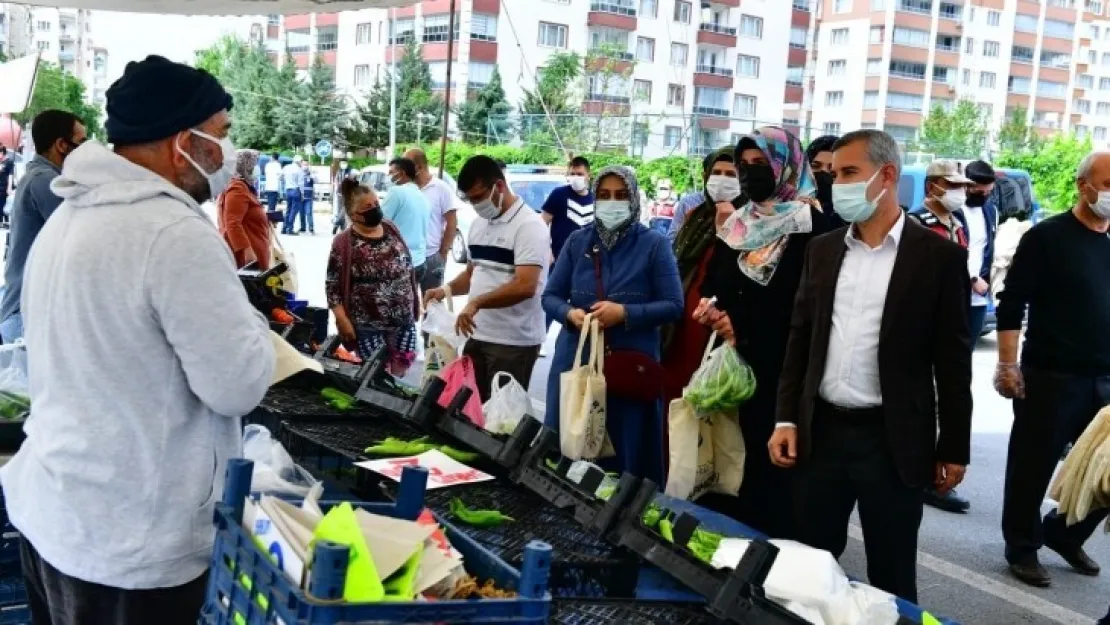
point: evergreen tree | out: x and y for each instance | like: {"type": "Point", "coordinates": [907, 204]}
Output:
{"type": "Point", "coordinates": [326, 117]}
{"type": "Point", "coordinates": [485, 117]}
{"type": "Point", "coordinates": [291, 114]}
{"type": "Point", "coordinates": [419, 111]}
{"type": "Point", "coordinates": [370, 126]}
{"type": "Point", "coordinates": [246, 72]}
{"type": "Point", "coordinates": [58, 89]}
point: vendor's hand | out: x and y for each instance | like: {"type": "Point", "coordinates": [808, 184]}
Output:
{"type": "Point", "coordinates": [576, 317]}
{"type": "Point", "coordinates": [784, 446]}
{"type": "Point", "coordinates": [948, 477]}
{"type": "Point", "coordinates": [980, 286]}
{"type": "Point", "coordinates": [464, 323]}
{"type": "Point", "coordinates": [346, 330]}
{"type": "Point", "coordinates": [434, 295]}
{"type": "Point", "coordinates": [1008, 380]}
{"type": "Point", "coordinates": [608, 314]}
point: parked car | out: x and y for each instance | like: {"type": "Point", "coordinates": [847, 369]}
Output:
{"type": "Point", "coordinates": [533, 183]}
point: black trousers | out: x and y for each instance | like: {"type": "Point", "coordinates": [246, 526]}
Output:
{"type": "Point", "coordinates": [1056, 409]}
{"type": "Point", "coordinates": [851, 463]}
{"type": "Point", "coordinates": [58, 599]}
{"type": "Point", "coordinates": [491, 358]}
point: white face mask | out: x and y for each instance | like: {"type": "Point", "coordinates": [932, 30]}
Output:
{"type": "Point", "coordinates": [851, 203]}
{"type": "Point", "coordinates": [612, 213]}
{"type": "Point", "coordinates": [723, 188]}
{"type": "Point", "coordinates": [663, 194]}
{"type": "Point", "coordinates": [343, 165]}
{"type": "Point", "coordinates": [487, 208]}
{"type": "Point", "coordinates": [953, 199]}
{"type": "Point", "coordinates": [578, 183]}
{"type": "Point", "coordinates": [219, 179]}
{"type": "Point", "coordinates": [1101, 207]}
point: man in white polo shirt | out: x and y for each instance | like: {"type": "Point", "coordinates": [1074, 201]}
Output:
{"type": "Point", "coordinates": [510, 249]}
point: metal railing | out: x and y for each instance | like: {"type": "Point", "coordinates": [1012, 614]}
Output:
{"type": "Point", "coordinates": [611, 53]}
{"type": "Point", "coordinates": [615, 8]}
{"type": "Point", "coordinates": [720, 29]}
{"type": "Point", "coordinates": [710, 111]}
{"type": "Point", "coordinates": [716, 71]}
{"type": "Point", "coordinates": [608, 99]}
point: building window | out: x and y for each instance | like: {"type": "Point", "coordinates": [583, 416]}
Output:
{"type": "Point", "coordinates": [904, 101]}
{"type": "Point", "coordinates": [645, 49]}
{"type": "Point", "coordinates": [842, 6]}
{"type": "Point", "coordinates": [948, 43]}
{"type": "Point", "coordinates": [834, 98]}
{"type": "Point", "coordinates": [1080, 131]}
{"type": "Point", "coordinates": [273, 20]}
{"type": "Point", "coordinates": [751, 26]}
{"type": "Point", "coordinates": [43, 26]}
{"type": "Point", "coordinates": [362, 34]}
{"type": "Point", "coordinates": [1100, 133]}
{"type": "Point", "coordinates": [642, 91]}
{"type": "Point", "coordinates": [1060, 59]}
{"type": "Point", "coordinates": [1025, 23]}
{"type": "Point", "coordinates": [916, 6]}
{"type": "Point", "coordinates": [676, 95]}
{"type": "Point", "coordinates": [987, 80]}
{"type": "Point", "coordinates": [907, 69]}
{"type": "Point", "coordinates": [671, 136]}
{"type": "Point", "coordinates": [435, 28]}
{"type": "Point", "coordinates": [1056, 28]}
{"type": "Point", "coordinates": [1050, 89]}
{"type": "Point", "coordinates": [967, 76]}
{"type": "Point", "coordinates": [1021, 54]}
{"type": "Point", "coordinates": [838, 67]}
{"type": "Point", "coordinates": [743, 105]}
{"type": "Point", "coordinates": [878, 5]}
{"type": "Point", "coordinates": [798, 38]}
{"type": "Point", "coordinates": [870, 100]}
{"type": "Point", "coordinates": [649, 8]}
{"type": "Point", "coordinates": [994, 18]}
{"type": "Point", "coordinates": [401, 31]}
{"type": "Point", "coordinates": [362, 75]}
{"type": "Point", "coordinates": [901, 134]}
{"type": "Point", "coordinates": [482, 27]}
{"type": "Point", "coordinates": [1092, 57]}
{"type": "Point", "coordinates": [990, 48]}
{"type": "Point", "coordinates": [969, 45]}
{"type": "Point", "coordinates": [831, 128]}
{"type": "Point", "coordinates": [794, 75]}
{"type": "Point", "coordinates": [1018, 84]}
{"type": "Point", "coordinates": [327, 38]}
{"type": "Point", "coordinates": [479, 74]}
{"type": "Point", "coordinates": [1086, 81]}
{"type": "Point", "coordinates": [1103, 108]}
{"type": "Point", "coordinates": [1106, 58]}
{"type": "Point", "coordinates": [1095, 32]}
{"type": "Point", "coordinates": [552, 35]}
{"type": "Point", "coordinates": [679, 54]}
{"type": "Point", "coordinates": [874, 66]}
{"type": "Point", "coordinates": [839, 36]}
{"type": "Point", "coordinates": [911, 37]}
{"type": "Point", "coordinates": [748, 66]}
{"type": "Point", "coordinates": [43, 45]}
{"type": "Point", "coordinates": [949, 11]}
{"type": "Point", "coordinates": [682, 11]}
{"type": "Point", "coordinates": [297, 41]}
{"type": "Point", "coordinates": [1104, 84]}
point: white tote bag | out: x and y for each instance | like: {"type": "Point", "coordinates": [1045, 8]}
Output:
{"type": "Point", "coordinates": [279, 255]}
{"type": "Point", "coordinates": [582, 405]}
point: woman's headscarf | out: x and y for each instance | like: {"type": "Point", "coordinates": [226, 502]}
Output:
{"type": "Point", "coordinates": [696, 233]}
{"type": "Point", "coordinates": [611, 236]}
{"type": "Point", "coordinates": [246, 161]}
{"type": "Point", "coordinates": [762, 238]}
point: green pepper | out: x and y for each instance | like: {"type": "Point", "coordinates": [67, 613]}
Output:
{"type": "Point", "coordinates": [651, 516]}
{"type": "Point", "coordinates": [477, 518]}
{"type": "Point", "coordinates": [703, 544]}
{"type": "Point", "coordinates": [338, 399]}
{"type": "Point", "coordinates": [399, 447]}
{"type": "Point", "coordinates": [666, 530]}
{"type": "Point", "coordinates": [458, 454]}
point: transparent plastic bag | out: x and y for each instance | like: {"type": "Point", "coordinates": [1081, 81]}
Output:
{"type": "Point", "coordinates": [440, 321]}
{"type": "Point", "coordinates": [275, 473]}
{"type": "Point", "coordinates": [507, 405]}
{"type": "Point", "coordinates": [15, 399]}
{"type": "Point", "coordinates": [722, 382]}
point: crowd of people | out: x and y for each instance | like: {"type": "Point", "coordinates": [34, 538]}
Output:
{"type": "Point", "coordinates": [857, 316]}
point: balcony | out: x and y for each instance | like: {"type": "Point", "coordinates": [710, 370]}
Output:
{"type": "Point", "coordinates": [717, 35]}
{"type": "Point", "coordinates": [65, 34]}
{"type": "Point", "coordinates": [65, 56]}
{"type": "Point", "coordinates": [710, 111]}
{"type": "Point", "coordinates": [713, 76]}
{"type": "Point", "coordinates": [612, 13]}
{"type": "Point", "coordinates": [603, 103]}
{"type": "Point", "coordinates": [801, 5]}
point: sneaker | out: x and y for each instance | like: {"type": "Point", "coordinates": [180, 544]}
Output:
{"type": "Point", "coordinates": [951, 502]}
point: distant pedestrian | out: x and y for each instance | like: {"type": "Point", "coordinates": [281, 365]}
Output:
{"type": "Point", "coordinates": [407, 208]}
{"type": "Point", "coordinates": [241, 218]}
{"type": "Point", "coordinates": [980, 217]}
{"type": "Point", "coordinates": [569, 207]}
{"type": "Point", "coordinates": [819, 154]}
{"type": "Point", "coordinates": [308, 194]}
{"type": "Point", "coordinates": [272, 175]}
{"type": "Point", "coordinates": [292, 179]}
{"type": "Point", "coordinates": [7, 175]}
{"type": "Point", "coordinates": [443, 221]}
{"type": "Point", "coordinates": [339, 213]}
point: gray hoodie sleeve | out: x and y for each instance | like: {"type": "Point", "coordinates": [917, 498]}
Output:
{"type": "Point", "coordinates": [223, 343]}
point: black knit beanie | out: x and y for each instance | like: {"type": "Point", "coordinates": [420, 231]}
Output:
{"type": "Point", "coordinates": [157, 98]}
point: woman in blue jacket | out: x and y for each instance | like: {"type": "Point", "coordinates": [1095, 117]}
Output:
{"type": "Point", "coordinates": [641, 293]}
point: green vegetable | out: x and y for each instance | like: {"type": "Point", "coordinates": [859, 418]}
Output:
{"type": "Point", "coordinates": [723, 382]}
{"type": "Point", "coordinates": [703, 544]}
{"type": "Point", "coordinates": [652, 515]}
{"type": "Point", "coordinates": [458, 454]}
{"type": "Point", "coordinates": [477, 518]}
{"type": "Point", "coordinates": [14, 406]}
{"type": "Point", "coordinates": [338, 399]}
{"type": "Point", "coordinates": [400, 447]}
{"type": "Point", "coordinates": [666, 530]}
{"type": "Point", "coordinates": [551, 464]}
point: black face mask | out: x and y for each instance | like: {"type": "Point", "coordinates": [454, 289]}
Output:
{"type": "Point", "coordinates": [372, 218]}
{"type": "Point", "coordinates": [976, 200]}
{"type": "Point", "coordinates": [824, 182]}
{"type": "Point", "coordinates": [759, 182]}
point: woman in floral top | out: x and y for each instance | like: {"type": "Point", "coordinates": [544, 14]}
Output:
{"type": "Point", "coordinates": [371, 284]}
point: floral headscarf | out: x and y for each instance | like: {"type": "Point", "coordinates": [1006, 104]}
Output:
{"type": "Point", "coordinates": [610, 237]}
{"type": "Point", "coordinates": [246, 161]}
{"type": "Point", "coordinates": [762, 238]}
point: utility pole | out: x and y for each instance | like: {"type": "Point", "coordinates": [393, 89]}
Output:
{"type": "Point", "coordinates": [447, 91]}
{"type": "Point", "coordinates": [392, 83]}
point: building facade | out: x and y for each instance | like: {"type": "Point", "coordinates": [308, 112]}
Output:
{"type": "Point", "coordinates": [699, 72]}
{"type": "Point", "coordinates": [62, 37]}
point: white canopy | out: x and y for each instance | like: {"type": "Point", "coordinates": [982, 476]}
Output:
{"type": "Point", "coordinates": [224, 7]}
{"type": "Point", "coordinates": [18, 78]}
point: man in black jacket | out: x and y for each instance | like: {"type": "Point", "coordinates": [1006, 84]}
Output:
{"type": "Point", "coordinates": [878, 356]}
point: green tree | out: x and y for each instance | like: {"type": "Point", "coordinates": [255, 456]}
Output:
{"type": "Point", "coordinates": [485, 115]}
{"type": "Point", "coordinates": [369, 127]}
{"type": "Point", "coordinates": [292, 105]}
{"type": "Point", "coordinates": [555, 87]}
{"type": "Point", "coordinates": [326, 116]}
{"type": "Point", "coordinates": [959, 133]}
{"type": "Point", "coordinates": [1052, 166]}
{"type": "Point", "coordinates": [247, 73]}
{"type": "Point", "coordinates": [606, 73]}
{"type": "Point", "coordinates": [1016, 135]}
{"type": "Point", "coordinates": [419, 110]}
{"type": "Point", "coordinates": [57, 89]}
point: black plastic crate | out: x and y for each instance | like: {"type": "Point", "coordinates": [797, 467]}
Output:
{"type": "Point", "coordinates": [11, 435]}
{"type": "Point", "coordinates": [617, 612]}
{"type": "Point", "coordinates": [292, 402]}
{"type": "Point", "coordinates": [582, 565]}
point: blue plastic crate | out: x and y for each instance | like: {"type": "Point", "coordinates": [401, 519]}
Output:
{"type": "Point", "coordinates": [15, 615]}
{"type": "Point", "coordinates": [13, 600]}
{"type": "Point", "coordinates": [236, 556]}
{"type": "Point", "coordinates": [9, 543]}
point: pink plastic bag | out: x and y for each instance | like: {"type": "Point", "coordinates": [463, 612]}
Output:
{"type": "Point", "coordinates": [457, 375]}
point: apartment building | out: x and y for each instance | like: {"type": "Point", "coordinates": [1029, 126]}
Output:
{"type": "Point", "coordinates": [886, 63]}
{"type": "Point", "coordinates": [702, 71]}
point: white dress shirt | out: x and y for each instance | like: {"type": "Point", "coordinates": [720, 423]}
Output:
{"type": "Point", "coordinates": [976, 246]}
{"type": "Point", "coordinates": [851, 377]}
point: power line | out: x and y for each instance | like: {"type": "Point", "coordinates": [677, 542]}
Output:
{"type": "Point", "coordinates": [535, 77]}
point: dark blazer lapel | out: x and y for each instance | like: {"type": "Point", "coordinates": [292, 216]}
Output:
{"type": "Point", "coordinates": [825, 290]}
{"type": "Point", "coordinates": [901, 277]}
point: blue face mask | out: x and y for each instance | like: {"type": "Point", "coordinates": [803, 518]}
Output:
{"type": "Point", "coordinates": [851, 203]}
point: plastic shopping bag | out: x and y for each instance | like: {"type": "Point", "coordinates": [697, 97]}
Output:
{"type": "Point", "coordinates": [275, 473]}
{"type": "Point", "coordinates": [15, 400]}
{"type": "Point", "coordinates": [582, 401]}
{"type": "Point", "coordinates": [507, 405]}
{"type": "Point", "coordinates": [461, 374]}
{"type": "Point", "coordinates": [439, 321]}
{"type": "Point", "coordinates": [722, 382]}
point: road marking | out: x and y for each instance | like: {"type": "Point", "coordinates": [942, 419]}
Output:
{"type": "Point", "coordinates": [1010, 594]}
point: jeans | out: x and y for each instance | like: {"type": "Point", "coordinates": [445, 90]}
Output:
{"type": "Point", "coordinates": [292, 209]}
{"type": "Point", "coordinates": [306, 213]}
{"type": "Point", "coordinates": [977, 316]}
{"type": "Point", "coordinates": [11, 328]}
{"type": "Point", "coordinates": [271, 201]}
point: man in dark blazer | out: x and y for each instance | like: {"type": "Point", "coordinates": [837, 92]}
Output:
{"type": "Point", "coordinates": [879, 358]}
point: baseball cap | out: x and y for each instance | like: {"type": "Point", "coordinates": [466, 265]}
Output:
{"type": "Point", "coordinates": [980, 172]}
{"type": "Point", "coordinates": [947, 169]}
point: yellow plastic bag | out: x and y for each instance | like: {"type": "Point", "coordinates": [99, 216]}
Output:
{"type": "Point", "coordinates": [340, 526]}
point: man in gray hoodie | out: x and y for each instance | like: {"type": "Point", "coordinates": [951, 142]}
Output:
{"type": "Point", "coordinates": [143, 354]}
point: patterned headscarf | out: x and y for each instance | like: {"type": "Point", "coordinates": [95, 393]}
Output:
{"type": "Point", "coordinates": [762, 238]}
{"type": "Point", "coordinates": [610, 237]}
{"type": "Point", "coordinates": [245, 162]}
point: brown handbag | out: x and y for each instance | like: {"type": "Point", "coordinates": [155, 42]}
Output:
{"type": "Point", "coordinates": [629, 373]}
